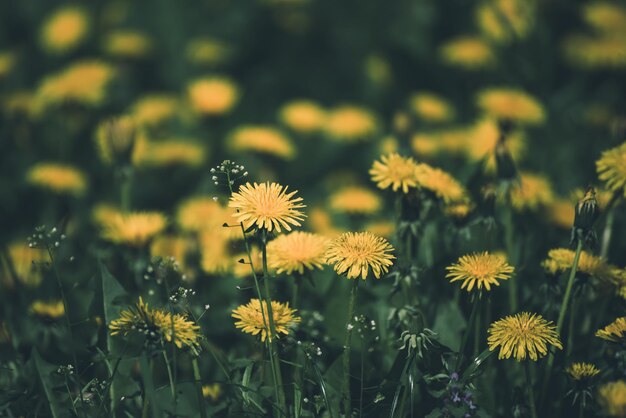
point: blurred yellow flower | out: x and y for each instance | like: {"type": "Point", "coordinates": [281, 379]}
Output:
{"type": "Point", "coordinates": [442, 184]}
{"type": "Point", "coordinates": [21, 103]}
{"type": "Point", "coordinates": [262, 139]}
{"type": "Point", "coordinates": [127, 44]}
{"type": "Point", "coordinates": [297, 252]}
{"type": "Point", "coordinates": [611, 169]}
{"type": "Point", "coordinates": [505, 20]}
{"type": "Point", "coordinates": [7, 62]}
{"type": "Point", "coordinates": [213, 95]}
{"type": "Point", "coordinates": [468, 52]}
{"type": "Point", "coordinates": [207, 51]}
{"type": "Point", "coordinates": [560, 212]}
{"type": "Point", "coordinates": [134, 229]}
{"type": "Point", "coordinates": [381, 228]}
{"type": "Point", "coordinates": [482, 139]}
{"type": "Point", "coordinates": [523, 335]}
{"type": "Point", "coordinates": [426, 144]}
{"type": "Point", "coordinates": [355, 253]}
{"type": "Point", "coordinates": [25, 262]}
{"type": "Point", "coordinates": [154, 109]}
{"type": "Point", "coordinates": [177, 151]}
{"type": "Point", "coordinates": [388, 145]}
{"type": "Point", "coordinates": [252, 318]}
{"type": "Point", "coordinates": [104, 212]}
{"type": "Point", "coordinates": [215, 256]}
{"type": "Point", "coordinates": [582, 371]}
{"type": "Point", "coordinates": [612, 397]}
{"type": "Point", "coordinates": [58, 178]}
{"type": "Point", "coordinates": [614, 332]}
{"type": "Point", "coordinates": [431, 107]}
{"type": "Point", "coordinates": [355, 200]}
{"type": "Point", "coordinates": [394, 171]}
{"type": "Point", "coordinates": [350, 123]}
{"type": "Point", "coordinates": [202, 214]}
{"type": "Point", "coordinates": [84, 82]}
{"type": "Point", "coordinates": [531, 193]}
{"type": "Point", "coordinates": [48, 309]}
{"type": "Point", "coordinates": [595, 52]}
{"type": "Point", "coordinates": [481, 270]}
{"type": "Point", "coordinates": [303, 116]}
{"type": "Point", "coordinates": [321, 222]}
{"type": "Point", "coordinates": [605, 16]}
{"type": "Point", "coordinates": [213, 392]}
{"type": "Point", "coordinates": [243, 270]}
{"type": "Point", "coordinates": [64, 30]}
{"type": "Point", "coordinates": [560, 260]}
{"type": "Point", "coordinates": [115, 138]}
{"type": "Point", "coordinates": [511, 104]}
{"type": "Point", "coordinates": [174, 246]}
{"type": "Point", "coordinates": [155, 324]}
{"type": "Point", "coordinates": [267, 205]}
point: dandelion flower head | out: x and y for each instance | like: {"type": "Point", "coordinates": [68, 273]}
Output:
{"type": "Point", "coordinates": [250, 318]}
{"type": "Point", "coordinates": [58, 178]}
{"type": "Point", "coordinates": [480, 270]}
{"type": "Point", "coordinates": [297, 252]}
{"type": "Point", "coordinates": [355, 253]}
{"type": "Point", "coordinates": [394, 171]}
{"type": "Point", "coordinates": [582, 371]}
{"type": "Point", "coordinates": [134, 229]}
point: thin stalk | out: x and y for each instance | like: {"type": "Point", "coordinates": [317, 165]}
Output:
{"type": "Point", "coordinates": [125, 190]}
{"type": "Point", "coordinates": [361, 390]}
{"type": "Point", "coordinates": [144, 408]}
{"type": "Point", "coordinates": [198, 383]}
{"type": "Point", "coordinates": [531, 392]}
{"type": "Point", "coordinates": [570, 333]}
{"type": "Point", "coordinates": [509, 237]}
{"type": "Point", "coordinates": [170, 376]}
{"type": "Point", "coordinates": [295, 291]}
{"type": "Point", "coordinates": [69, 393]}
{"type": "Point", "coordinates": [346, 349]}
{"type": "Point", "coordinates": [68, 324]}
{"type": "Point", "coordinates": [468, 330]}
{"type": "Point", "coordinates": [274, 358]}
{"type": "Point", "coordinates": [477, 328]}
{"type": "Point", "coordinates": [607, 232]}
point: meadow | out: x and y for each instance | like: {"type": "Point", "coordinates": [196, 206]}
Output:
{"type": "Point", "coordinates": [313, 208]}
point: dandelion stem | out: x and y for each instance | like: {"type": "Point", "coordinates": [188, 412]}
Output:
{"type": "Point", "coordinates": [531, 392]}
{"type": "Point", "coordinates": [274, 359]}
{"type": "Point", "coordinates": [346, 349]}
{"type": "Point", "coordinates": [125, 190]}
{"type": "Point", "coordinates": [512, 254]}
{"type": "Point", "coordinates": [198, 383]}
{"type": "Point", "coordinates": [297, 283]}
{"type": "Point", "coordinates": [607, 232]}
{"type": "Point", "coordinates": [69, 393]}
{"type": "Point", "coordinates": [169, 375]}
{"type": "Point", "coordinates": [468, 330]}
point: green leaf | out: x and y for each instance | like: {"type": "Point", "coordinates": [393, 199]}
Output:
{"type": "Point", "coordinates": [297, 401]}
{"type": "Point", "coordinates": [45, 370]}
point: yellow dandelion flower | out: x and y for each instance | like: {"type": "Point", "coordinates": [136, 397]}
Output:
{"type": "Point", "coordinates": [215, 256]}
{"type": "Point", "coordinates": [442, 184]}
{"type": "Point", "coordinates": [431, 107]}
{"type": "Point", "coordinates": [127, 44]}
{"type": "Point", "coordinates": [202, 214]}
{"type": "Point", "coordinates": [614, 332]}
{"type": "Point", "coordinates": [115, 138]}
{"type": "Point", "coordinates": [64, 30]}
{"type": "Point", "coordinates": [604, 16]}
{"type": "Point", "coordinates": [213, 95]}
{"type": "Point", "coordinates": [134, 229]}
{"type": "Point", "coordinates": [523, 335]}
{"type": "Point", "coordinates": [582, 371]}
{"type": "Point", "coordinates": [611, 169]}
{"type": "Point", "coordinates": [355, 200]}
{"type": "Point", "coordinates": [595, 52]}
{"type": "Point", "coordinates": [505, 20]}
{"type": "Point", "coordinates": [355, 253]}
{"type": "Point", "coordinates": [320, 221]}
{"type": "Point", "coordinates": [104, 212]}
{"type": "Point", "coordinates": [176, 151]}
{"type": "Point", "coordinates": [207, 51]}
{"type": "Point", "coordinates": [480, 270]}
{"type": "Point", "coordinates": [533, 192]}
{"type": "Point", "coordinates": [49, 310]}
{"type": "Point", "coordinates": [250, 318]}
{"type": "Point", "coordinates": [426, 144]}
{"type": "Point", "coordinates": [58, 178]}
{"type": "Point", "coordinates": [350, 124]}
{"type": "Point", "coordinates": [381, 228]}
{"type": "Point", "coordinates": [561, 213]}
{"type": "Point", "coordinates": [560, 260]}
{"type": "Point", "coordinates": [394, 171]}
{"type": "Point", "coordinates": [7, 62]}
{"type": "Point", "coordinates": [304, 116]}
{"type": "Point", "coordinates": [156, 324]}
{"type": "Point", "coordinates": [482, 140]}
{"type": "Point", "coordinates": [154, 109]}
{"type": "Point", "coordinates": [173, 246]}
{"type": "Point", "coordinates": [612, 397]}
{"type": "Point", "coordinates": [267, 205]}
{"type": "Point", "coordinates": [262, 139]}
{"type": "Point", "coordinates": [213, 392]}
{"type": "Point", "coordinates": [389, 145]}
{"type": "Point", "coordinates": [25, 262]}
{"type": "Point", "coordinates": [469, 52]}
{"type": "Point", "coordinates": [511, 104]}
{"type": "Point", "coordinates": [297, 252]}
{"type": "Point", "coordinates": [83, 83]}
{"type": "Point", "coordinates": [458, 210]}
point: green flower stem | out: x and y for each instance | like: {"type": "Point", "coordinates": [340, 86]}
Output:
{"type": "Point", "coordinates": [170, 376]}
{"type": "Point", "coordinates": [346, 349]}
{"type": "Point", "coordinates": [126, 186]}
{"type": "Point", "coordinates": [68, 324]}
{"type": "Point", "coordinates": [531, 392]}
{"type": "Point", "coordinates": [295, 295]}
{"type": "Point", "coordinates": [198, 383]}
{"type": "Point", "coordinates": [173, 378]}
{"type": "Point", "coordinates": [509, 238]}
{"type": "Point", "coordinates": [272, 335]}
{"type": "Point", "coordinates": [607, 232]}
{"type": "Point", "coordinates": [468, 329]}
